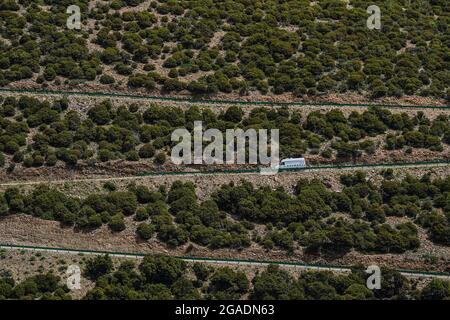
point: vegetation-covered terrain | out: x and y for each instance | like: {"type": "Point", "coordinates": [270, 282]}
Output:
{"type": "Point", "coordinates": [165, 278]}
{"type": "Point", "coordinates": [260, 50]}
{"type": "Point", "coordinates": [37, 133]}
{"type": "Point", "coordinates": [300, 47]}
{"type": "Point", "coordinates": [235, 216]}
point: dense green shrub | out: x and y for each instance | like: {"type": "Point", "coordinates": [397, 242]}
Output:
{"type": "Point", "coordinates": [98, 266]}
{"type": "Point", "coordinates": [271, 47]}
{"type": "Point", "coordinates": [287, 221]}
{"type": "Point", "coordinates": [166, 278]}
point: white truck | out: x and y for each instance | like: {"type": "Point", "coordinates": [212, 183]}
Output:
{"type": "Point", "coordinates": [292, 163]}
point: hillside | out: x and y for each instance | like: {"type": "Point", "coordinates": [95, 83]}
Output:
{"type": "Point", "coordinates": [296, 49]}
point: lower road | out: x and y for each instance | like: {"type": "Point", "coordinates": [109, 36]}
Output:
{"type": "Point", "coordinates": [230, 262]}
